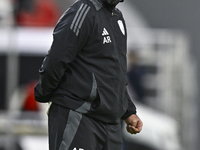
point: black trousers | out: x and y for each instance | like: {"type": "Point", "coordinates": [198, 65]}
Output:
{"type": "Point", "coordinates": [70, 130]}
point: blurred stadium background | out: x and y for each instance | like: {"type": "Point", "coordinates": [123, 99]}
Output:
{"type": "Point", "coordinates": [163, 71]}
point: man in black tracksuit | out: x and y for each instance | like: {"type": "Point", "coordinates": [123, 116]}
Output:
{"type": "Point", "coordinates": [84, 76]}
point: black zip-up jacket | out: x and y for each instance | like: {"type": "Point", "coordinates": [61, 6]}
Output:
{"type": "Point", "coordinates": [85, 68]}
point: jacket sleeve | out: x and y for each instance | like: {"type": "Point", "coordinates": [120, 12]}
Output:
{"type": "Point", "coordinates": [131, 107]}
{"type": "Point", "coordinates": [69, 37]}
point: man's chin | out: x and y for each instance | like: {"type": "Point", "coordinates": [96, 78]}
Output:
{"type": "Point", "coordinates": [112, 2]}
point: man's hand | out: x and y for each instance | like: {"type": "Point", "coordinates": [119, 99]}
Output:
{"type": "Point", "coordinates": [134, 124]}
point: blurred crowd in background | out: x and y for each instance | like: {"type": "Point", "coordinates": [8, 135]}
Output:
{"type": "Point", "coordinates": [161, 70]}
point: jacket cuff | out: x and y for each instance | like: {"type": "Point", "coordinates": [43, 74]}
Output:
{"type": "Point", "coordinates": [128, 113]}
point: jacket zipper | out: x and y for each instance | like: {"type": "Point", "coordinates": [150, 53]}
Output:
{"type": "Point", "coordinates": [120, 73]}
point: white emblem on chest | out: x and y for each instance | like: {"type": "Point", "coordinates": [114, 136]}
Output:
{"type": "Point", "coordinates": [78, 149]}
{"type": "Point", "coordinates": [106, 37]}
{"type": "Point", "coordinates": [121, 26]}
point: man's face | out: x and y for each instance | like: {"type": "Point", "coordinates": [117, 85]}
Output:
{"type": "Point", "coordinates": [112, 2]}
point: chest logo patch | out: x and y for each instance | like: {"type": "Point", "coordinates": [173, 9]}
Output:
{"type": "Point", "coordinates": [106, 37]}
{"type": "Point", "coordinates": [121, 26]}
